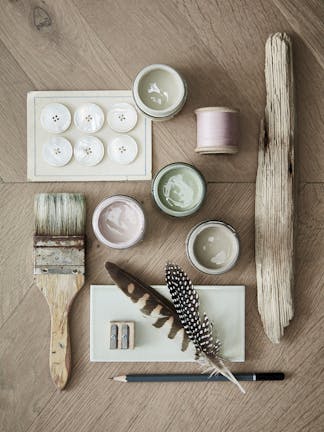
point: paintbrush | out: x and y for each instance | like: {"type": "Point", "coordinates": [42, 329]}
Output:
{"type": "Point", "coordinates": [59, 268]}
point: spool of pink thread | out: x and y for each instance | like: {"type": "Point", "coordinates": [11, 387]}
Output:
{"type": "Point", "coordinates": [217, 130]}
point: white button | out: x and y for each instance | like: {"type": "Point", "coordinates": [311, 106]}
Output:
{"type": "Point", "coordinates": [55, 118]}
{"type": "Point", "coordinates": [57, 151]}
{"type": "Point", "coordinates": [89, 118]}
{"type": "Point", "coordinates": [122, 117]}
{"type": "Point", "coordinates": [123, 149]}
{"type": "Point", "coordinates": [89, 151]}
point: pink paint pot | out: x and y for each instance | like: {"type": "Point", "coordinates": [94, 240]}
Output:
{"type": "Point", "coordinates": [119, 222]}
{"type": "Point", "coordinates": [217, 130]}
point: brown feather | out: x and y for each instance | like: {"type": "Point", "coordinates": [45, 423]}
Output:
{"type": "Point", "coordinates": [139, 292]}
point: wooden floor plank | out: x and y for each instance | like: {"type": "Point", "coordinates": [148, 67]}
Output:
{"type": "Point", "coordinates": [93, 402]}
{"type": "Point", "coordinates": [80, 60]}
{"type": "Point", "coordinates": [219, 47]}
{"type": "Point", "coordinates": [310, 113]}
{"type": "Point", "coordinates": [168, 37]}
{"type": "Point", "coordinates": [23, 342]}
{"type": "Point", "coordinates": [14, 84]}
{"type": "Point", "coordinates": [236, 31]}
{"type": "Point", "coordinates": [295, 406]}
{"type": "Point", "coordinates": [306, 17]}
{"type": "Point", "coordinates": [219, 56]}
{"type": "Point", "coordinates": [15, 256]}
{"type": "Point", "coordinates": [65, 54]}
{"type": "Point", "coordinates": [20, 336]}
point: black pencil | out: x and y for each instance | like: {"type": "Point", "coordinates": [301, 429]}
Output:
{"type": "Point", "coordinates": [267, 376]}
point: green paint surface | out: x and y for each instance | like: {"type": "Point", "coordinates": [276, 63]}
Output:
{"type": "Point", "coordinates": [181, 189]}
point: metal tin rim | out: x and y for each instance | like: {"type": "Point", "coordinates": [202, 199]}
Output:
{"type": "Point", "coordinates": [154, 118]}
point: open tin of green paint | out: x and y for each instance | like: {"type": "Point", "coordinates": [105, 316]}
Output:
{"type": "Point", "coordinates": [179, 189]}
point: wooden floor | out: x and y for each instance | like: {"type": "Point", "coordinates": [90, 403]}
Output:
{"type": "Point", "coordinates": [219, 48]}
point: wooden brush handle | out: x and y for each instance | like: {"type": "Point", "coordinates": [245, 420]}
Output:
{"type": "Point", "coordinates": [60, 348]}
{"type": "Point", "coordinates": [59, 291]}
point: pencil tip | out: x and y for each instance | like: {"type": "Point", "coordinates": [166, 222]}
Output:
{"type": "Point", "coordinates": [120, 378]}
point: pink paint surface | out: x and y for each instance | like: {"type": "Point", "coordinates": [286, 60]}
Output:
{"type": "Point", "coordinates": [119, 222]}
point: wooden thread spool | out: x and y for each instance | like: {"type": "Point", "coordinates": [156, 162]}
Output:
{"type": "Point", "coordinates": [217, 130]}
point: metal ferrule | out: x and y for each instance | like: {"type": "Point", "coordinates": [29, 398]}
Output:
{"type": "Point", "coordinates": [59, 255]}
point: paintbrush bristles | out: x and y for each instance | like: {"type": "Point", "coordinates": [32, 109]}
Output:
{"type": "Point", "coordinates": [59, 214]}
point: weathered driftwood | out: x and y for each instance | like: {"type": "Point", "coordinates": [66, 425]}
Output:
{"type": "Point", "coordinates": [274, 202]}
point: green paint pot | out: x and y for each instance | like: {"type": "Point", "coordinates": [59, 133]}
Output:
{"type": "Point", "coordinates": [179, 189]}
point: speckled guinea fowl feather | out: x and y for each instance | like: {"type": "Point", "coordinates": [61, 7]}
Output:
{"type": "Point", "coordinates": [150, 302]}
{"type": "Point", "coordinates": [186, 302]}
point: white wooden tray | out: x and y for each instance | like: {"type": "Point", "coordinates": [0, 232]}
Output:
{"type": "Point", "coordinates": [106, 170]}
{"type": "Point", "coordinates": [224, 305]}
